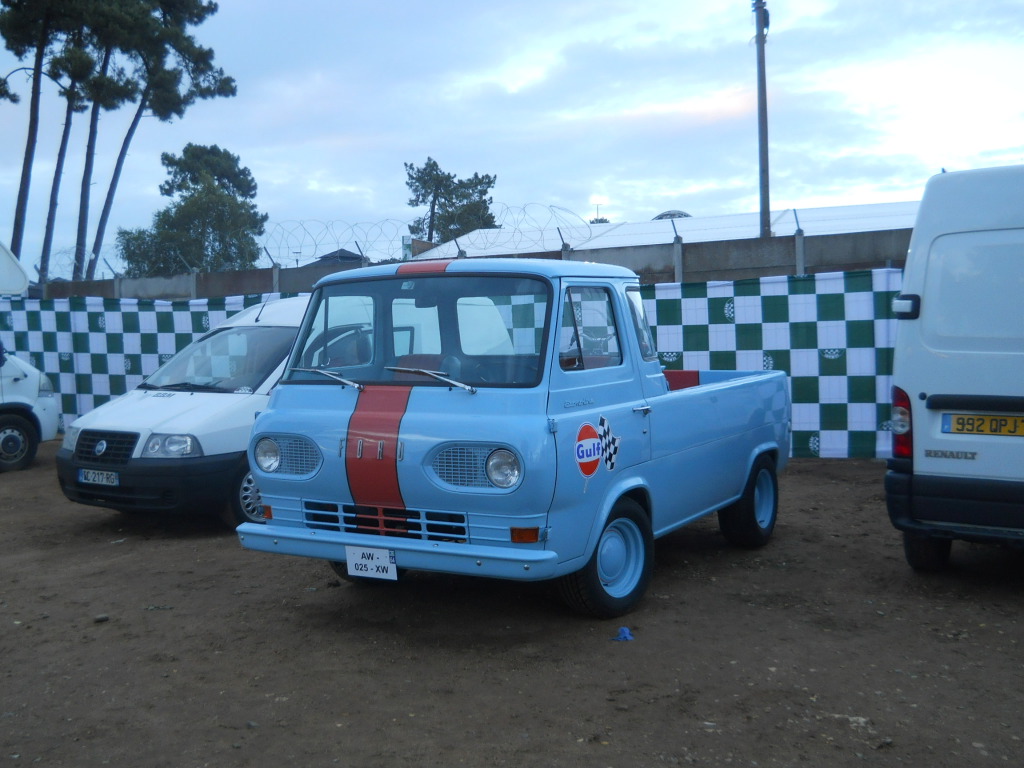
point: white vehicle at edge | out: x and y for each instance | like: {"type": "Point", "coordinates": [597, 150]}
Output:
{"type": "Point", "coordinates": [957, 470]}
{"type": "Point", "coordinates": [177, 442]}
{"type": "Point", "coordinates": [28, 411]}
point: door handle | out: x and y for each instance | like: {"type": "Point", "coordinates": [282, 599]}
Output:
{"type": "Point", "coordinates": [644, 409]}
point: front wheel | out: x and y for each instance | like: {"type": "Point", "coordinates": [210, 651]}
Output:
{"type": "Point", "coordinates": [615, 578]}
{"type": "Point", "coordinates": [244, 504]}
{"type": "Point", "coordinates": [749, 522]}
{"type": "Point", "coordinates": [18, 442]}
{"type": "Point", "coordinates": [926, 553]}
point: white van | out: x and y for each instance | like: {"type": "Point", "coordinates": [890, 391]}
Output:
{"type": "Point", "coordinates": [29, 412]}
{"type": "Point", "coordinates": [957, 470]}
{"type": "Point", "coordinates": [177, 442]}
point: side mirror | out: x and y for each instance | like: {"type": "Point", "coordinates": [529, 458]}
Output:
{"type": "Point", "coordinates": [3, 355]}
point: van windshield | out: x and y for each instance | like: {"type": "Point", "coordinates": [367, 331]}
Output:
{"type": "Point", "coordinates": [235, 359]}
{"type": "Point", "coordinates": [425, 330]}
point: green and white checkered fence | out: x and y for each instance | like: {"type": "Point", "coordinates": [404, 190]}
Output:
{"type": "Point", "coordinates": [94, 349]}
{"type": "Point", "coordinates": [832, 333]}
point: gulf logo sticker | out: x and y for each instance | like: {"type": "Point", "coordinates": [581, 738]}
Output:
{"type": "Point", "coordinates": [588, 450]}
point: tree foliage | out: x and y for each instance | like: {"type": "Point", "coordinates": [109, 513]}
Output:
{"type": "Point", "coordinates": [457, 206]}
{"type": "Point", "coordinates": [211, 225]}
{"type": "Point", "coordinates": [104, 54]}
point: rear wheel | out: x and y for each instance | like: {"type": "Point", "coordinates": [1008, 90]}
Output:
{"type": "Point", "coordinates": [18, 442]}
{"type": "Point", "coordinates": [617, 575]}
{"type": "Point", "coordinates": [750, 521]}
{"type": "Point", "coordinates": [926, 553]}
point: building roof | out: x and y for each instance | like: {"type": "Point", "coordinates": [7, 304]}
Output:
{"type": "Point", "coordinates": [693, 229]}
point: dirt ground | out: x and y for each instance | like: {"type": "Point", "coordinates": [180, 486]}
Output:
{"type": "Point", "coordinates": [148, 641]}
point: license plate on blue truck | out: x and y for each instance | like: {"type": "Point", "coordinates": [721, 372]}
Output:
{"type": "Point", "coordinates": [371, 563]}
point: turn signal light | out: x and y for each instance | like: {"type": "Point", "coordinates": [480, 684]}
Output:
{"type": "Point", "coordinates": [525, 535]}
{"type": "Point", "coordinates": [267, 512]}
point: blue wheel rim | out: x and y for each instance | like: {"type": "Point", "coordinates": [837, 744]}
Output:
{"type": "Point", "coordinates": [764, 499]}
{"type": "Point", "coordinates": [620, 557]}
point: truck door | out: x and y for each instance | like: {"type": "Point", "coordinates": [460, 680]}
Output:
{"type": "Point", "coordinates": [596, 405]}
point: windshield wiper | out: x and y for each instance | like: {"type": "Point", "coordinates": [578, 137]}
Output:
{"type": "Point", "coordinates": [439, 375]}
{"type": "Point", "coordinates": [188, 386]}
{"type": "Point", "coordinates": [331, 375]}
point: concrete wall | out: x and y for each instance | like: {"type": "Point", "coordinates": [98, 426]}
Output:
{"type": "Point", "coordinates": [742, 259]}
{"type": "Point", "coordinates": [663, 263]}
{"type": "Point", "coordinates": [200, 285]}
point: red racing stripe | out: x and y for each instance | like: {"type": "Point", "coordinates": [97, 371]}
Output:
{"type": "Point", "coordinates": [371, 450]}
{"type": "Point", "coordinates": [415, 267]}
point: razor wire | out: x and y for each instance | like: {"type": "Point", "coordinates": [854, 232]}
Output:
{"type": "Point", "coordinates": [296, 243]}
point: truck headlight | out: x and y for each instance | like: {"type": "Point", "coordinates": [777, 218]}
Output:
{"type": "Point", "coordinates": [503, 468]}
{"type": "Point", "coordinates": [267, 454]}
{"type": "Point", "coordinates": [171, 447]}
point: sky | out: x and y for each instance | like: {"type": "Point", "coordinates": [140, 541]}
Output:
{"type": "Point", "coordinates": [617, 109]}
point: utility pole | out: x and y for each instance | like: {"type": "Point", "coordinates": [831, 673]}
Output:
{"type": "Point", "coordinates": [761, 20]}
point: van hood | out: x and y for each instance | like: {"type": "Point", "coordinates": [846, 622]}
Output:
{"type": "Point", "coordinates": [148, 411]}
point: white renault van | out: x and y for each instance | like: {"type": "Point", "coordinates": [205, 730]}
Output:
{"type": "Point", "coordinates": [177, 443]}
{"type": "Point", "coordinates": [29, 412]}
{"type": "Point", "coordinates": [957, 470]}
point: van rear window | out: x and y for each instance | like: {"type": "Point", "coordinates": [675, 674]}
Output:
{"type": "Point", "coordinates": [974, 286]}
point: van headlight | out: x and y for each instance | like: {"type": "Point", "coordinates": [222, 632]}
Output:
{"type": "Point", "coordinates": [267, 454]}
{"type": "Point", "coordinates": [171, 447]}
{"type": "Point", "coordinates": [70, 438]}
{"type": "Point", "coordinates": [503, 468]}
{"type": "Point", "coordinates": [45, 386]}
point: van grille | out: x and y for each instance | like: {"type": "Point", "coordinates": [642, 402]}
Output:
{"type": "Point", "coordinates": [463, 465]}
{"type": "Point", "coordinates": [383, 521]}
{"type": "Point", "coordinates": [299, 456]}
{"type": "Point", "coordinates": [117, 447]}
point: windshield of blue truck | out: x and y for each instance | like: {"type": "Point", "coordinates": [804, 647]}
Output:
{"type": "Point", "coordinates": [480, 330]}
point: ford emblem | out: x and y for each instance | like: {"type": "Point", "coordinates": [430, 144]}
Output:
{"type": "Point", "coordinates": [101, 446]}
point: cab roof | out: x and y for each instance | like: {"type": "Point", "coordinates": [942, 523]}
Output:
{"type": "Point", "coordinates": [549, 268]}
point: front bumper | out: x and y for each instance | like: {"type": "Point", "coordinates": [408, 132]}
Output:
{"type": "Point", "coordinates": [174, 485]}
{"type": "Point", "coordinates": [499, 562]}
{"type": "Point", "coordinates": [955, 507]}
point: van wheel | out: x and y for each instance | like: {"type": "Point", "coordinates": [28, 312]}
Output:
{"type": "Point", "coordinates": [617, 575]}
{"type": "Point", "coordinates": [926, 553]}
{"type": "Point", "coordinates": [18, 442]}
{"type": "Point", "coordinates": [244, 504]}
{"type": "Point", "coordinates": [749, 522]}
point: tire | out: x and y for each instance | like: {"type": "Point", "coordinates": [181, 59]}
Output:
{"type": "Point", "coordinates": [617, 574]}
{"type": "Point", "coordinates": [244, 504]}
{"type": "Point", "coordinates": [749, 522]}
{"type": "Point", "coordinates": [926, 553]}
{"type": "Point", "coordinates": [19, 442]}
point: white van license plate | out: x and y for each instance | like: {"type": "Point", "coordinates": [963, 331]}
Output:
{"type": "Point", "coordinates": [973, 424]}
{"type": "Point", "coordinates": [97, 477]}
{"type": "Point", "coordinates": [370, 563]}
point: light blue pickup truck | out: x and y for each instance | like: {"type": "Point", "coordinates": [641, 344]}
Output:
{"type": "Point", "coordinates": [505, 418]}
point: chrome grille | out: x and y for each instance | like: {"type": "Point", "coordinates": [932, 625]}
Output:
{"type": "Point", "coordinates": [118, 448]}
{"type": "Point", "coordinates": [384, 521]}
{"type": "Point", "coordinates": [463, 465]}
{"type": "Point", "coordinates": [299, 456]}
